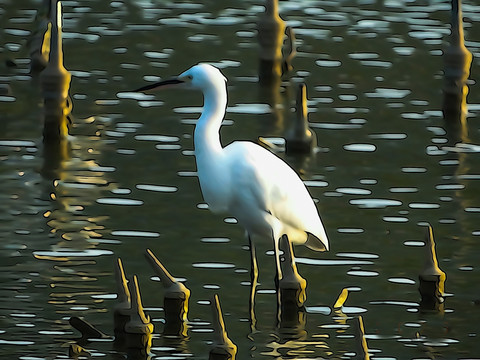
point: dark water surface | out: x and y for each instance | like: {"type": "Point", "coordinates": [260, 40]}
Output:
{"type": "Point", "coordinates": [387, 166]}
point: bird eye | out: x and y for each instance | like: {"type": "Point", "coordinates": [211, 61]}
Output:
{"type": "Point", "coordinates": [189, 77]}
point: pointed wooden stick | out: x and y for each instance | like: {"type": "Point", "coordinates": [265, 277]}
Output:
{"type": "Point", "coordinates": [139, 323]}
{"type": "Point", "coordinates": [222, 347]}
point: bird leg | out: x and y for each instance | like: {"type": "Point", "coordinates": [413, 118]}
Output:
{"type": "Point", "coordinates": [276, 250]}
{"type": "Point", "coordinates": [253, 282]}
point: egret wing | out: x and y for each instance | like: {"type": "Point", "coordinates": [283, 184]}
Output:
{"type": "Point", "coordinates": [267, 183]}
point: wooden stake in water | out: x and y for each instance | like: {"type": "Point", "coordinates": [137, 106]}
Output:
{"type": "Point", "coordinates": [341, 299]}
{"type": "Point", "coordinates": [39, 41]}
{"type": "Point", "coordinates": [138, 329]}
{"type": "Point", "coordinates": [289, 50]}
{"type": "Point", "coordinates": [300, 138]}
{"type": "Point", "coordinates": [432, 279]}
{"type": "Point", "coordinates": [458, 60]}
{"type": "Point", "coordinates": [139, 323]}
{"type": "Point", "coordinates": [175, 298]}
{"type": "Point", "coordinates": [121, 311]}
{"type": "Point", "coordinates": [222, 348]}
{"type": "Point", "coordinates": [271, 32]}
{"type": "Point", "coordinates": [55, 82]}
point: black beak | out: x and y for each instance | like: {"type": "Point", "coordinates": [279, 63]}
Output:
{"type": "Point", "coordinates": [160, 84]}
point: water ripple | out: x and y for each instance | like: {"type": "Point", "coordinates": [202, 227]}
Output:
{"type": "Point", "coordinates": [365, 273]}
{"type": "Point", "coordinates": [68, 253]}
{"type": "Point", "coordinates": [423, 206]}
{"type": "Point", "coordinates": [375, 203]}
{"type": "Point", "coordinates": [119, 201]}
{"type": "Point", "coordinates": [395, 219]}
{"type": "Point", "coordinates": [386, 93]}
{"type": "Point", "coordinates": [359, 255]}
{"type": "Point", "coordinates": [161, 138]}
{"type": "Point", "coordinates": [330, 262]}
{"type": "Point", "coordinates": [401, 281]}
{"type": "Point", "coordinates": [353, 191]}
{"type": "Point", "coordinates": [360, 147]}
{"type": "Point", "coordinates": [158, 188]}
{"type": "Point", "coordinates": [135, 233]}
{"type": "Point", "coordinates": [212, 265]}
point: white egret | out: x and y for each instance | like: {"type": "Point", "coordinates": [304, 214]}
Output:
{"type": "Point", "coordinates": [243, 179]}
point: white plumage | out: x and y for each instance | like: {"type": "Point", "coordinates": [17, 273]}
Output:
{"type": "Point", "coordinates": [245, 180]}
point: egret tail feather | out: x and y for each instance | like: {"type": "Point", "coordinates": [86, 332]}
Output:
{"type": "Point", "coordinates": [316, 244]}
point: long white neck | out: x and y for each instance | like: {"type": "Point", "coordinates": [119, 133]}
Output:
{"type": "Point", "coordinates": [207, 136]}
{"type": "Point", "coordinates": [208, 149]}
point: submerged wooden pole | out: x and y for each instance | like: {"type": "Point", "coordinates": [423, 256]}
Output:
{"type": "Point", "coordinates": [289, 50]}
{"type": "Point", "coordinates": [87, 330]}
{"type": "Point", "coordinates": [175, 298]}
{"type": "Point", "coordinates": [121, 311]}
{"type": "Point", "coordinates": [222, 348]}
{"type": "Point", "coordinates": [292, 286]}
{"type": "Point", "coordinates": [432, 278]}
{"type": "Point", "coordinates": [39, 42]}
{"type": "Point", "coordinates": [292, 295]}
{"type": "Point", "coordinates": [271, 32]}
{"type": "Point", "coordinates": [300, 138]}
{"type": "Point", "coordinates": [55, 82]}
{"type": "Point", "coordinates": [138, 329]}
{"type": "Point", "coordinates": [341, 299]}
{"type": "Point", "coordinates": [458, 60]}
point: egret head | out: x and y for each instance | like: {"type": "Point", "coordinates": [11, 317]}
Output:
{"type": "Point", "coordinates": [202, 77]}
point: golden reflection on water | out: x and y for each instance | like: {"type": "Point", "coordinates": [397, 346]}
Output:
{"type": "Point", "coordinates": [75, 181]}
{"type": "Point", "coordinates": [55, 82]}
